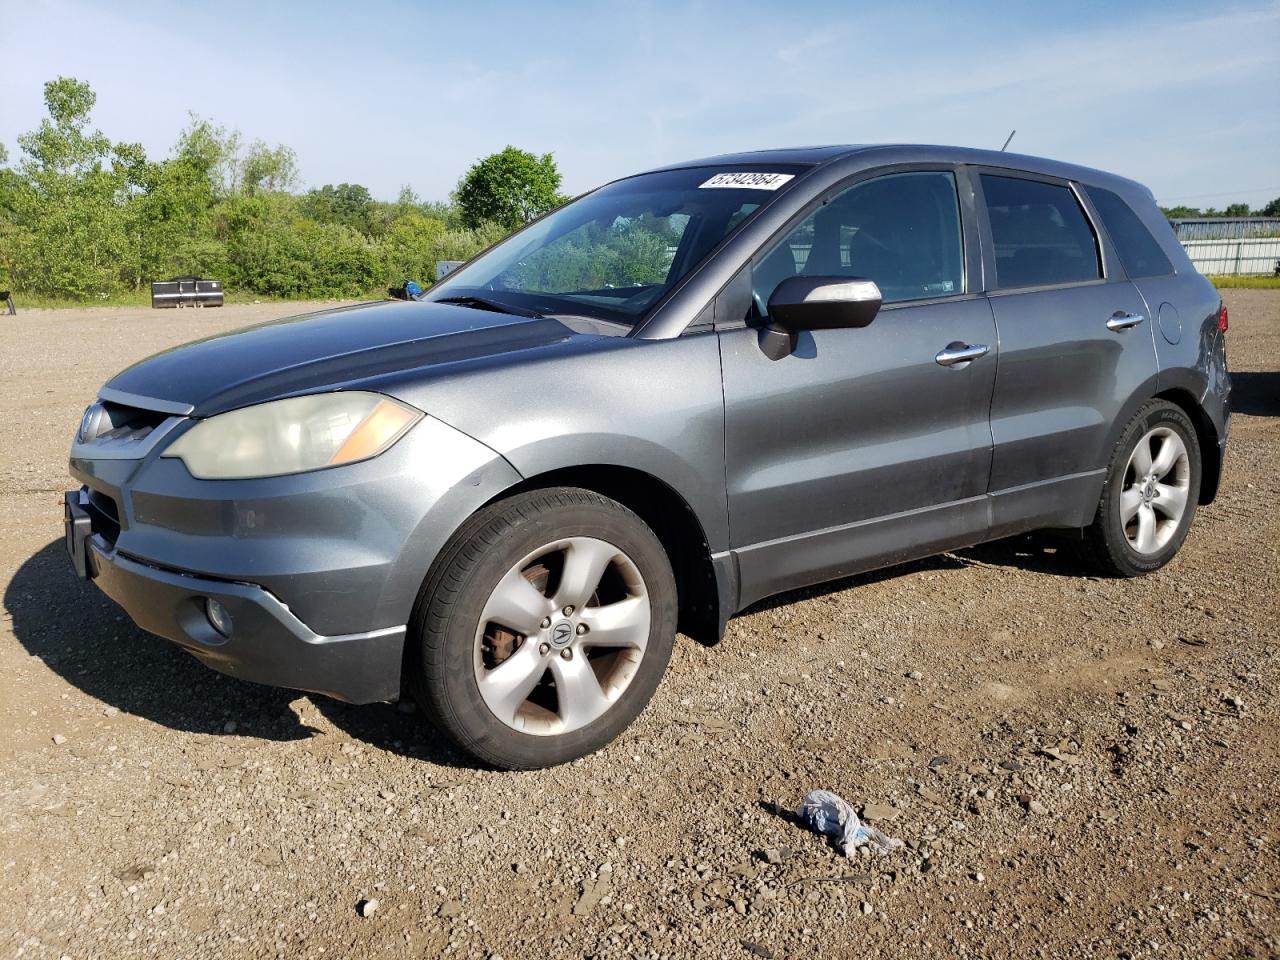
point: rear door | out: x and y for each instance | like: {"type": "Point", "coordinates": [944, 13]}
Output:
{"type": "Point", "coordinates": [861, 448]}
{"type": "Point", "coordinates": [1177, 338]}
{"type": "Point", "coordinates": [1075, 350]}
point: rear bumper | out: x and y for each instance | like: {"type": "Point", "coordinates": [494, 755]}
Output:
{"type": "Point", "coordinates": [266, 643]}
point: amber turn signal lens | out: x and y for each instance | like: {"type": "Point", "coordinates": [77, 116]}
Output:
{"type": "Point", "coordinates": [376, 432]}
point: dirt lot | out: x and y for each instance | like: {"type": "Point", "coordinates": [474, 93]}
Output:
{"type": "Point", "coordinates": [1080, 767]}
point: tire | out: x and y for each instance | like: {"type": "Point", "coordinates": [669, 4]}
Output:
{"type": "Point", "coordinates": [535, 555]}
{"type": "Point", "coordinates": [1135, 530]}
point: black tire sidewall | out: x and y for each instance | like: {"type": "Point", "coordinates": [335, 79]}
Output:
{"type": "Point", "coordinates": [486, 551]}
{"type": "Point", "coordinates": [1125, 559]}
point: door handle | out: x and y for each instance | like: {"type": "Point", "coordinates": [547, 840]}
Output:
{"type": "Point", "coordinates": [1123, 321]}
{"type": "Point", "coordinates": [957, 353]}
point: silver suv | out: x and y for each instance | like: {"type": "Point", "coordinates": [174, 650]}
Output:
{"type": "Point", "coordinates": [684, 391]}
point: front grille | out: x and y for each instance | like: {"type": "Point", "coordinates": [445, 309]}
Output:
{"type": "Point", "coordinates": [119, 423]}
{"type": "Point", "coordinates": [111, 430]}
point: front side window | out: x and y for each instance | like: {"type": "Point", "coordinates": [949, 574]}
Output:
{"type": "Point", "coordinates": [901, 230]}
{"type": "Point", "coordinates": [1041, 235]}
{"type": "Point", "coordinates": [614, 253]}
{"type": "Point", "coordinates": [1139, 253]}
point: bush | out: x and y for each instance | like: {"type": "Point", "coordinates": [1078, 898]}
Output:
{"type": "Point", "coordinates": [274, 251]}
{"type": "Point", "coordinates": [414, 243]}
{"type": "Point", "coordinates": [83, 217]}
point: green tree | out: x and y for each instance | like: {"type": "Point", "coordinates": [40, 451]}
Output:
{"type": "Point", "coordinates": [508, 188]}
{"type": "Point", "coordinates": [10, 184]}
{"type": "Point", "coordinates": [415, 241]}
{"type": "Point", "coordinates": [69, 233]}
{"type": "Point", "coordinates": [407, 199]}
{"type": "Point", "coordinates": [81, 215]}
{"type": "Point", "coordinates": [1180, 213]}
{"type": "Point", "coordinates": [1272, 209]}
{"type": "Point", "coordinates": [1236, 210]}
{"type": "Point", "coordinates": [212, 149]}
{"type": "Point", "coordinates": [273, 249]}
{"type": "Point", "coordinates": [347, 203]}
{"type": "Point", "coordinates": [267, 170]}
{"type": "Point", "coordinates": [171, 221]}
{"type": "Point", "coordinates": [63, 144]}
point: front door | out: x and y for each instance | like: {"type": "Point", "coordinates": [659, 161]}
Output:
{"type": "Point", "coordinates": [861, 448]}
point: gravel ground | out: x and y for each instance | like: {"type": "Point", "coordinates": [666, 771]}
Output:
{"type": "Point", "coordinates": [1078, 766]}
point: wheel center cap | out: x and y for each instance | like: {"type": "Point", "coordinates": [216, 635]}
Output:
{"type": "Point", "coordinates": [561, 634]}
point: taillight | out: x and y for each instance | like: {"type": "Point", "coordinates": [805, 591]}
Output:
{"type": "Point", "coordinates": [1222, 318]}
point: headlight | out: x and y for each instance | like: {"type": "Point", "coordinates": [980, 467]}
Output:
{"type": "Point", "coordinates": [290, 436]}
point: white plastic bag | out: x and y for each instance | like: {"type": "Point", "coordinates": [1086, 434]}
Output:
{"type": "Point", "coordinates": [829, 814]}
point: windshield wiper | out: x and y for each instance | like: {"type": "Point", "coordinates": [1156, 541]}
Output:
{"type": "Point", "coordinates": [494, 306]}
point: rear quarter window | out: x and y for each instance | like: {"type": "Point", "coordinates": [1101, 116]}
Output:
{"type": "Point", "coordinates": [1139, 253]}
{"type": "Point", "coordinates": [1041, 235]}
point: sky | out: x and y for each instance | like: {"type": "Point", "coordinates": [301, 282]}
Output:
{"type": "Point", "coordinates": [1184, 97]}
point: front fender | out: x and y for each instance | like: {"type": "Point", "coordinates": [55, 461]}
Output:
{"type": "Point", "coordinates": [459, 475]}
{"type": "Point", "coordinates": [654, 406]}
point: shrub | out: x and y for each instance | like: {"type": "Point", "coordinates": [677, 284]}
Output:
{"type": "Point", "coordinates": [81, 216]}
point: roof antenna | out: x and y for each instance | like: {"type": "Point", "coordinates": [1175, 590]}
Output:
{"type": "Point", "coordinates": [1006, 143]}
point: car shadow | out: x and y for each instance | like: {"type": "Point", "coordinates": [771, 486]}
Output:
{"type": "Point", "coordinates": [1054, 553]}
{"type": "Point", "coordinates": [86, 639]}
{"type": "Point", "coordinates": [1256, 394]}
{"type": "Point", "coordinates": [1047, 552]}
{"type": "Point", "coordinates": [396, 728]}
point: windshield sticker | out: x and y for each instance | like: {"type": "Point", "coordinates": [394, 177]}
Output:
{"type": "Point", "coordinates": [747, 181]}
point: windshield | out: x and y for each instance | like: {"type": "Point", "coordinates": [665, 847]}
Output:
{"type": "Point", "coordinates": [614, 253]}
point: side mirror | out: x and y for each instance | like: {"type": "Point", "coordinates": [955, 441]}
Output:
{"type": "Point", "coordinates": [821, 303]}
{"type": "Point", "coordinates": [816, 303]}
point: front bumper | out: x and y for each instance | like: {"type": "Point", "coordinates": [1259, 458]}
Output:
{"type": "Point", "coordinates": [267, 643]}
{"type": "Point", "coordinates": [345, 549]}
{"type": "Point", "coordinates": [320, 571]}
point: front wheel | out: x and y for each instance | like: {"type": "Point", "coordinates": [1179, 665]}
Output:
{"type": "Point", "coordinates": [544, 628]}
{"type": "Point", "coordinates": [1150, 494]}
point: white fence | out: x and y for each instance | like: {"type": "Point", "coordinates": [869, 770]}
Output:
{"type": "Point", "coordinates": [1259, 256]}
{"type": "Point", "coordinates": [1232, 245]}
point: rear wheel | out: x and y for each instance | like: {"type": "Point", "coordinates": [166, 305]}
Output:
{"type": "Point", "coordinates": [544, 628]}
{"type": "Point", "coordinates": [1150, 495]}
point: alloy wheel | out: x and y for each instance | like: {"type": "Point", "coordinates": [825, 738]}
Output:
{"type": "Point", "coordinates": [1153, 498]}
{"type": "Point", "coordinates": [561, 636]}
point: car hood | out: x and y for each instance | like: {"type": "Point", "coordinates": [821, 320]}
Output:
{"type": "Point", "coordinates": [332, 348]}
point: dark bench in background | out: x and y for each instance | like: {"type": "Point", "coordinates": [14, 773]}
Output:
{"type": "Point", "coordinates": [186, 292]}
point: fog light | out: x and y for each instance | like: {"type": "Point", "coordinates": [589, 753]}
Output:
{"type": "Point", "coordinates": [219, 616]}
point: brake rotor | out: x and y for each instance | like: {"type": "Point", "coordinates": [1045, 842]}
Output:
{"type": "Point", "coordinates": [499, 643]}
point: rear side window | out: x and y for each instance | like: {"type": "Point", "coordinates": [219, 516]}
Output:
{"type": "Point", "coordinates": [1041, 235]}
{"type": "Point", "coordinates": [1139, 252]}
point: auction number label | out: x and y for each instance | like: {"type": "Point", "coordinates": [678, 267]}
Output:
{"type": "Point", "coordinates": [746, 181]}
